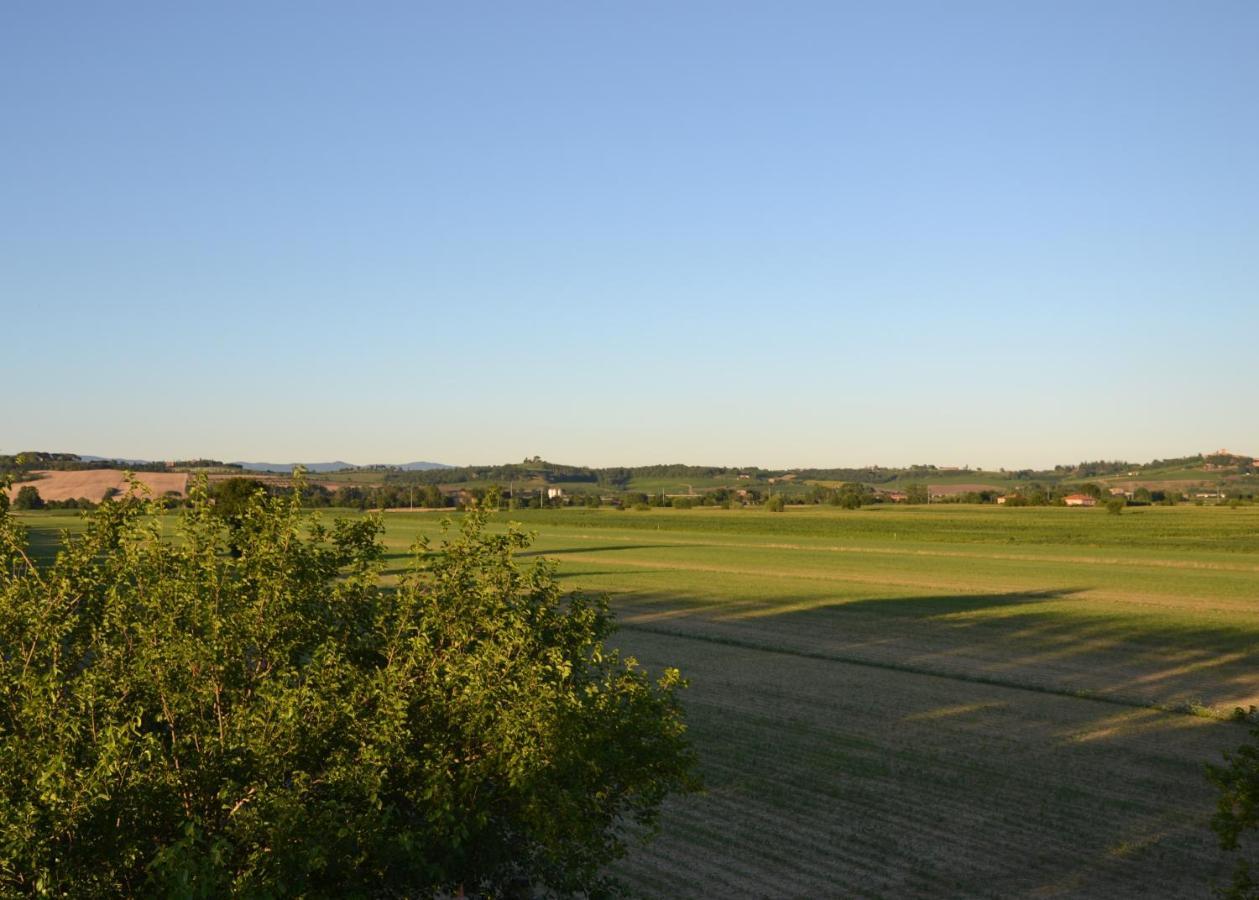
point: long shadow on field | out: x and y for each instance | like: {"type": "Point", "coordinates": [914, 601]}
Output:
{"type": "Point", "coordinates": [950, 604]}
{"type": "Point", "coordinates": [830, 780]}
{"type": "Point", "coordinates": [1030, 639]}
{"type": "Point", "coordinates": [566, 551]}
{"type": "Point", "coordinates": [43, 541]}
{"type": "Point", "coordinates": [825, 607]}
{"type": "Point", "coordinates": [592, 573]}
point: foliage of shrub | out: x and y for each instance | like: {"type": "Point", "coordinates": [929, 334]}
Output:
{"type": "Point", "coordinates": [28, 498]}
{"type": "Point", "coordinates": [1236, 819]}
{"type": "Point", "coordinates": [178, 720]}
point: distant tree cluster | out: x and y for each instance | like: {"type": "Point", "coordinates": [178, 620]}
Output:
{"type": "Point", "coordinates": [530, 470]}
{"type": "Point", "coordinates": [27, 460]}
{"type": "Point", "coordinates": [917, 493]}
{"type": "Point", "coordinates": [1175, 462]}
{"type": "Point", "coordinates": [618, 478]}
{"type": "Point", "coordinates": [1095, 468]}
{"type": "Point", "coordinates": [986, 496]}
{"type": "Point", "coordinates": [1226, 460]}
{"type": "Point", "coordinates": [868, 475]}
{"type": "Point", "coordinates": [388, 496]}
{"type": "Point", "coordinates": [28, 498]}
{"type": "Point", "coordinates": [31, 460]}
{"type": "Point", "coordinates": [851, 495]}
{"type": "Point", "coordinates": [231, 493]}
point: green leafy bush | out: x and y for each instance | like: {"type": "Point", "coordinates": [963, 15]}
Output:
{"type": "Point", "coordinates": [178, 720]}
{"type": "Point", "coordinates": [1236, 820]}
{"type": "Point", "coordinates": [28, 498]}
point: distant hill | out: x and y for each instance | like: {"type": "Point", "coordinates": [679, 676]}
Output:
{"type": "Point", "coordinates": [1221, 468]}
{"type": "Point", "coordinates": [286, 468]}
{"type": "Point", "coordinates": [322, 467]}
{"type": "Point", "coordinates": [1221, 471]}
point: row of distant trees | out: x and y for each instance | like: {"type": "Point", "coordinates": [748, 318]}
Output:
{"type": "Point", "coordinates": [28, 498]}
{"type": "Point", "coordinates": [850, 495]}
{"type": "Point", "coordinates": [620, 478]}
{"type": "Point", "coordinates": [18, 464]}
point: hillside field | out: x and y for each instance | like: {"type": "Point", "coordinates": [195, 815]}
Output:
{"type": "Point", "coordinates": [93, 483]}
{"type": "Point", "coordinates": [947, 700]}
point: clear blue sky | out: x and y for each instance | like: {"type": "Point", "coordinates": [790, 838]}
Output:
{"type": "Point", "coordinates": [743, 233]}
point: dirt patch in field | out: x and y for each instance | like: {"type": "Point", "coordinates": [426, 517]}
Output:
{"type": "Point", "coordinates": [93, 483]}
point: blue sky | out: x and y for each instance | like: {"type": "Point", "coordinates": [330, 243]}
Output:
{"type": "Point", "coordinates": [731, 233]}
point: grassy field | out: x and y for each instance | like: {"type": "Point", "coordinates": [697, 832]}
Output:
{"type": "Point", "coordinates": [948, 700]}
{"type": "Point", "coordinates": [1155, 607]}
{"type": "Point", "coordinates": [897, 701]}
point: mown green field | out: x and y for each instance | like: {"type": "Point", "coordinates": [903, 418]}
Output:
{"type": "Point", "coordinates": [1157, 606]}
{"type": "Point", "coordinates": [897, 701]}
{"type": "Point", "coordinates": [947, 700]}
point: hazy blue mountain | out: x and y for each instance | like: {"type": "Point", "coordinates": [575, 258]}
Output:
{"type": "Point", "coordinates": [420, 466]}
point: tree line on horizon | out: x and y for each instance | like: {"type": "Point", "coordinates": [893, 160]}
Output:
{"type": "Point", "coordinates": [619, 477]}
{"type": "Point", "coordinates": [849, 495]}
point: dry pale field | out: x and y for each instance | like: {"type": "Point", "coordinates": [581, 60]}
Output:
{"type": "Point", "coordinates": [93, 483]}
